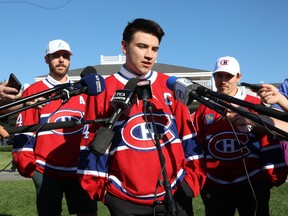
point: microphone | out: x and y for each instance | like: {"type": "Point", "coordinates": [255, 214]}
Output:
{"type": "Point", "coordinates": [121, 102]}
{"type": "Point", "coordinates": [91, 84]}
{"type": "Point", "coordinates": [182, 87]}
{"type": "Point", "coordinates": [186, 90]}
{"type": "Point", "coordinates": [144, 90]}
{"type": "Point", "coordinates": [88, 70]}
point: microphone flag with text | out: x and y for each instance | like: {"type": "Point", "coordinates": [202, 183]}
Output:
{"type": "Point", "coordinates": [121, 102]}
{"type": "Point", "coordinates": [90, 84]}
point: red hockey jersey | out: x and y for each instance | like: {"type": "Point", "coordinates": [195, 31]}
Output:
{"type": "Point", "coordinates": [131, 169]}
{"type": "Point", "coordinates": [54, 152]}
{"type": "Point", "coordinates": [227, 159]}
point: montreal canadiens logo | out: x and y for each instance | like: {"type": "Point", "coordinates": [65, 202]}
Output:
{"type": "Point", "coordinates": [66, 115]}
{"type": "Point", "coordinates": [225, 146]}
{"type": "Point", "coordinates": [179, 94]}
{"type": "Point", "coordinates": [137, 135]}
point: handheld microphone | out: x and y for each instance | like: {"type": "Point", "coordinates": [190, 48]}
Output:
{"type": "Point", "coordinates": [144, 91]}
{"type": "Point", "coordinates": [91, 84]}
{"type": "Point", "coordinates": [88, 70]}
{"type": "Point", "coordinates": [182, 87]}
{"type": "Point", "coordinates": [121, 102]}
{"type": "Point", "coordinates": [185, 91]}
{"type": "Point", "coordinates": [253, 87]}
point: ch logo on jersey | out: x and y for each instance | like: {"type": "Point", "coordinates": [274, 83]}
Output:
{"type": "Point", "coordinates": [136, 134]}
{"type": "Point", "coordinates": [66, 115]}
{"type": "Point", "coordinates": [225, 146]}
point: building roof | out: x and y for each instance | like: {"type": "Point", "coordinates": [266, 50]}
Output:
{"type": "Point", "coordinates": [109, 69]}
{"type": "Point", "coordinates": [114, 68]}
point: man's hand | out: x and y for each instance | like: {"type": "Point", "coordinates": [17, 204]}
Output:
{"type": "Point", "coordinates": [8, 93]}
{"type": "Point", "coordinates": [3, 133]}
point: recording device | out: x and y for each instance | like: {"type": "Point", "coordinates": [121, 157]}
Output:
{"type": "Point", "coordinates": [186, 91]}
{"type": "Point", "coordinates": [143, 90]}
{"type": "Point", "coordinates": [90, 84]}
{"type": "Point", "coordinates": [88, 70]}
{"type": "Point", "coordinates": [121, 102]}
{"type": "Point", "coordinates": [182, 87]}
{"type": "Point", "coordinates": [13, 82]}
{"type": "Point", "coordinates": [253, 87]}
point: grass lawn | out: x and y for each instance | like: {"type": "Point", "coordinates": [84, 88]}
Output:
{"type": "Point", "coordinates": [17, 197]}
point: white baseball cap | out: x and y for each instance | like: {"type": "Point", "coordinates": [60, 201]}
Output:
{"type": "Point", "coordinates": [227, 64]}
{"type": "Point", "coordinates": [56, 45]}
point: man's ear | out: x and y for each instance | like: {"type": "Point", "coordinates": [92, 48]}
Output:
{"type": "Point", "coordinates": [124, 46]}
{"type": "Point", "coordinates": [46, 59]}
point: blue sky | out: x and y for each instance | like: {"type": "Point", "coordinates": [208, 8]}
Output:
{"type": "Point", "coordinates": [197, 32]}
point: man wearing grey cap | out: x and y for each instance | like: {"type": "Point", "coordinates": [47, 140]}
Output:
{"type": "Point", "coordinates": [241, 164]}
{"type": "Point", "coordinates": [50, 157]}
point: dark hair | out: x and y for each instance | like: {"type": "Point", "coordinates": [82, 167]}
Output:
{"type": "Point", "coordinates": [143, 25]}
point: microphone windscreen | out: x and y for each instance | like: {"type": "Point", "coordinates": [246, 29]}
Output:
{"type": "Point", "coordinates": [88, 70]}
{"type": "Point", "coordinates": [170, 82]}
{"type": "Point", "coordinates": [131, 84]}
{"type": "Point", "coordinates": [95, 84]}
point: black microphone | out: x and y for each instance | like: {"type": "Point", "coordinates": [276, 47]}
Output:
{"type": "Point", "coordinates": [88, 70]}
{"type": "Point", "coordinates": [144, 92]}
{"type": "Point", "coordinates": [91, 84]}
{"type": "Point", "coordinates": [121, 102]}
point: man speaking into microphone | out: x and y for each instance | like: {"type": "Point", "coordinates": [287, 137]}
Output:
{"type": "Point", "coordinates": [50, 157]}
{"type": "Point", "coordinates": [125, 175]}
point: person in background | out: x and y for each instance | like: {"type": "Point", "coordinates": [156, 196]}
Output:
{"type": "Point", "coordinates": [50, 157]}
{"type": "Point", "coordinates": [7, 95]}
{"type": "Point", "coordinates": [127, 178]}
{"type": "Point", "coordinates": [269, 94]}
{"type": "Point", "coordinates": [241, 164]}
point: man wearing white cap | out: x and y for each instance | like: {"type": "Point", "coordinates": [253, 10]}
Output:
{"type": "Point", "coordinates": [242, 165]}
{"type": "Point", "coordinates": [50, 157]}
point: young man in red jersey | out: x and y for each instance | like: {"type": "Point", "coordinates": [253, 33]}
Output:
{"type": "Point", "coordinates": [128, 177]}
{"type": "Point", "coordinates": [50, 157]}
{"type": "Point", "coordinates": [242, 165]}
